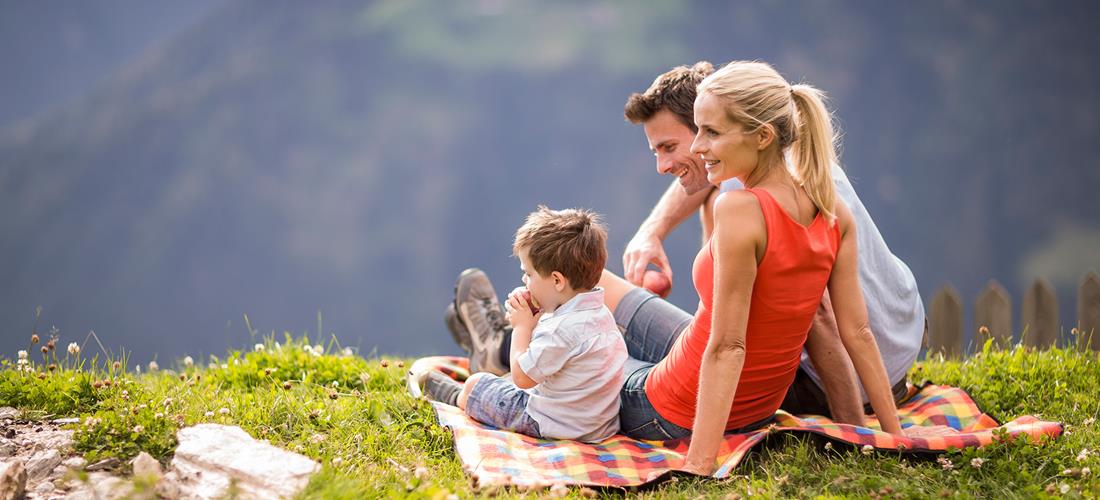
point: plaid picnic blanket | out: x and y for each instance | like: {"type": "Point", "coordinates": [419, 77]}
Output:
{"type": "Point", "coordinates": [496, 457]}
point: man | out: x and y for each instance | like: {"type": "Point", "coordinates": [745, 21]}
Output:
{"type": "Point", "coordinates": [895, 310]}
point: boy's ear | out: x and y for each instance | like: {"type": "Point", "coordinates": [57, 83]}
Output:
{"type": "Point", "coordinates": [559, 281]}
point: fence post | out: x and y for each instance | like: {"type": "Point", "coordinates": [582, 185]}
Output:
{"type": "Point", "coordinates": [1088, 311]}
{"type": "Point", "coordinates": [993, 310]}
{"type": "Point", "coordinates": [945, 323]}
{"type": "Point", "coordinates": [1040, 315]}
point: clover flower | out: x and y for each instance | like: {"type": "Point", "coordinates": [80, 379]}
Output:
{"type": "Point", "coordinates": [977, 462]}
{"type": "Point", "coordinates": [74, 348]}
{"type": "Point", "coordinates": [829, 445]}
{"type": "Point", "coordinates": [208, 414]}
{"type": "Point", "coordinates": [224, 411]}
{"type": "Point", "coordinates": [945, 463]}
{"type": "Point", "coordinates": [34, 339]}
{"type": "Point", "coordinates": [318, 350]}
{"type": "Point", "coordinates": [1085, 471]}
{"type": "Point", "coordinates": [116, 365]}
{"type": "Point", "coordinates": [153, 366]}
{"type": "Point", "coordinates": [867, 449]}
{"type": "Point", "coordinates": [346, 352]}
{"type": "Point", "coordinates": [22, 354]}
{"type": "Point", "coordinates": [187, 361]}
{"type": "Point", "coordinates": [258, 348]}
{"type": "Point", "coordinates": [158, 415]}
{"type": "Point", "coordinates": [138, 429]}
{"type": "Point", "coordinates": [1084, 455]}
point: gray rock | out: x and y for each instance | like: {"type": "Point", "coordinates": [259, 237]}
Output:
{"type": "Point", "coordinates": [10, 413]}
{"type": "Point", "coordinates": [76, 462]}
{"type": "Point", "coordinates": [13, 480]}
{"type": "Point", "coordinates": [65, 421]}
{"type": "Point", "coordinates": [103, 485]}
{"type": "Point", "coordinates": [106, 463]}
{"type": "Point", "coordinates": [41, 463]}
{"type": "Point", "coordinates": [44, 489]}
{"type": "Point", "coordinates": [145, 465]}
{"type": "Point", "coordinates": [211, 457]}
{"type": "Point", "coordinates": [7, 448]}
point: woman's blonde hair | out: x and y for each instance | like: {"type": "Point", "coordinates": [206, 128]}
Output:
{"type": "Point", "coordinates": [758, 95]}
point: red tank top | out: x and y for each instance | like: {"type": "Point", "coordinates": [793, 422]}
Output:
{"type": "Point", "coordinates": [790, 281]}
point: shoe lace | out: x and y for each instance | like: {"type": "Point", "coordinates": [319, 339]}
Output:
{"type": "Point", "coordinates": [495, 316]}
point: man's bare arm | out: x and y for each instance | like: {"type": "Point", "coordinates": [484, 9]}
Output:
{"type": "Point", "coordinates": [646, 246]}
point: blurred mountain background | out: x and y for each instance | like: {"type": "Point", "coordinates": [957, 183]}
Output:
{"type": "Point", "coordinates": [167, 167]}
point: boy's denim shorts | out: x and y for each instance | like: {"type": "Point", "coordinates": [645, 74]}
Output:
{"type": "Point", "coordinates": [499, 403]}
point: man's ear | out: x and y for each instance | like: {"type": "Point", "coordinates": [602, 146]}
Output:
{"type": "Point", "coordinates": [560, 283]}
{"type": "Point", "coordinates": [765, 136]}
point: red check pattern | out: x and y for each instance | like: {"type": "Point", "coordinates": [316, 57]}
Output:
{"type": "Point", "coordinates": [497, 457]}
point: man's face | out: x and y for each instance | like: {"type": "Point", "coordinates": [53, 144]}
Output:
{"type": "Point", "coordinates": [670, 141]}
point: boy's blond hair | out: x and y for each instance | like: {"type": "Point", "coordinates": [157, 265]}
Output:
{"type": "Point", "coordinates": [572, 242]}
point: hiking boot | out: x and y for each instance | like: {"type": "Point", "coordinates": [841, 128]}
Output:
{"type": "Point", "coordinates": [481, 313]}
{"type": "Point", "coordinates": [458, 330]}
{"type": "Point", "coordinates": [439, 387]}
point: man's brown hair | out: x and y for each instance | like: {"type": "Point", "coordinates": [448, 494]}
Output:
{"type": "Point", "coordinates": [571, 242]}
{"type": "Point", "coordinates": [674, 91]}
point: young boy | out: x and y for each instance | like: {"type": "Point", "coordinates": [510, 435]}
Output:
{"type": "Point", "coordinates": [567, 353]}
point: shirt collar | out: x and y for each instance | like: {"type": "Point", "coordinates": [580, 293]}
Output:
{"type": "Point", "coordinates": [583, 301]}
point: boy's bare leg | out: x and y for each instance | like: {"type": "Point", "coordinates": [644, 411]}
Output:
{"type": "Point", "coordinates": [838, 378]}
{"type": "Point", "coordinates": [467, 388]}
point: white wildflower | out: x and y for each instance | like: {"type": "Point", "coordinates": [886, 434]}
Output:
{"type": "Point", "coordinates": [867, 449]}
{"type": "Point", "coordinates": [236, 361]}
{"type": "Point", "coordinates": [347, 352]}
{"type": "Point", "coordinates": [137, 368]}
{"type": "Point", "coordinates": [335, 384]}
{"type": "Point", "coordinates": [1064, 488]}
{"type": "Point", "coordinates": [420, 473]}
{"type": "Point", "coordinates": [258, 348]}
{"type": "Point", "coordinates": [1084, 455]}
{"type": "Point", "coordinates": [1085, 471]}
{"type": "Point", "coordinates": [208, 414]}
{"type": "Point", "coordinates": [74, 348]}
{"type": "Point", "coordinates": [336, 462]}
{"type": "Point", "coordinates": [158, 416]}
{"type": "Point", "coordinates": [225, 366]}
{"type": "Point", "coordinates": [945, 463]}
{"type": "Point", "coordinates": [22, 354]}
{"type": "Point", "coordinates": [977, 462]}
{"type": "Point", "coordinates": [153, 366]}
{"type": "Point", "coordinates": [224, 411]}
{"type": "Point", "coordinates": [1088, 421]}
{"type": "Point", "coordinates": [829, 445]}
{"type": "Point", "coordinates": [318, 350]}
{"type": "Point", "coordinates": [188, 361]}
{"type": "Point", "coordinates": [317, 438]}
{"type": "Point", "coordinates": [138, 429]}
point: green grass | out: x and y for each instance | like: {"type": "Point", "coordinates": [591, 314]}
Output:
{"type": "Point", "coordinates": [354, 416]}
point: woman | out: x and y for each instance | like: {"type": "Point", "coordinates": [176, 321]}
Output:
{"type": "Point", "coordinates": [776, 247]}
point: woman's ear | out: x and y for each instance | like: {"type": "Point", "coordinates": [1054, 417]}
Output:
{"type": "Point", "coordinates": [765, 136]}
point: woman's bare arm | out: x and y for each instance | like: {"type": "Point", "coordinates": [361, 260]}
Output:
{"type": "Point", "coordinates": [740, 236]}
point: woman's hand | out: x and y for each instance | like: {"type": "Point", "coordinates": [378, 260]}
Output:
{"type": "Point", "coordinates": [699, 469]}
{"type": "Point", "coordinates": [518, 310]}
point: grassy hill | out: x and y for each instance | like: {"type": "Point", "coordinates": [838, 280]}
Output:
{"type": "Point", "coordinates": [354, 416]}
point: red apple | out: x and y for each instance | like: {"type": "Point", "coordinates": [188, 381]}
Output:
{"type": "Point", "coordinates": [657, 282]}
{"type": "Point", "coordinates": [530, 301]}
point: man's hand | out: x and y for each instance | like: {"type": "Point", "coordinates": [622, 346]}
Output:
{"type": "Point", "coordinates": [518, 311]}
{"type": "Point", "coordinates": [644, 248]}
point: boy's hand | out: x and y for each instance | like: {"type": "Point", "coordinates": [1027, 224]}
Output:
{"type": "Point", "coordinates": [519, 312]}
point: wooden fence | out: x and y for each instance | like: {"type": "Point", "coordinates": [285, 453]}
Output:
{"type": "Point", "coordinates": [1039, 322]}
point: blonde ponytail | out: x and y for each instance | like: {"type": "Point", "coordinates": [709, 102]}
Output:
{"type": "Point", "coordinates": [815, 148]}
